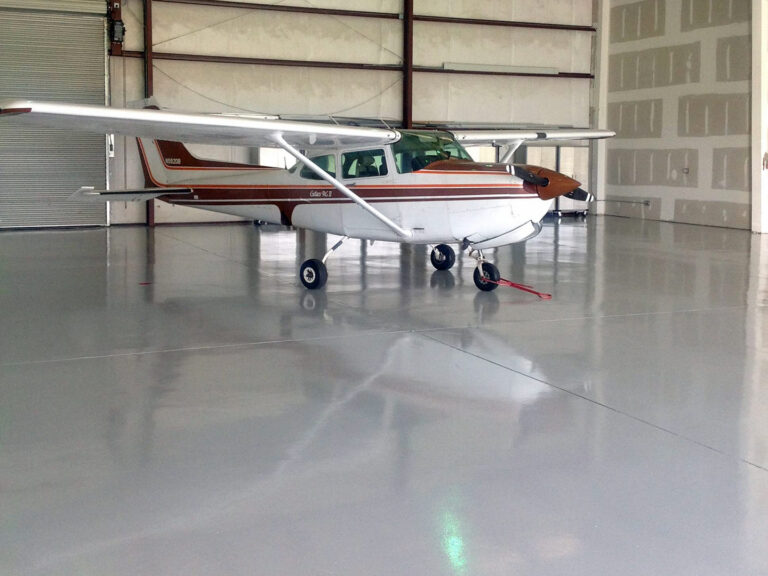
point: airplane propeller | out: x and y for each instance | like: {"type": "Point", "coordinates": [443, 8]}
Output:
{"type": "Point", "coordinates": [548, 184]}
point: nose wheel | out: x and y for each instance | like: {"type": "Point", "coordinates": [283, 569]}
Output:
{"type": "Point", "coordinates": [486, 276]}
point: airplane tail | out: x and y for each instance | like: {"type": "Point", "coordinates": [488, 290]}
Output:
{"type": "Point", "coordinates": [167, 163]}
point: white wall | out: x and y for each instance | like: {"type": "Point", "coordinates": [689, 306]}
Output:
{"type": "Point", "coordinates": [678, 95]}
{"type": "Point", "coordinates": [759, 156]}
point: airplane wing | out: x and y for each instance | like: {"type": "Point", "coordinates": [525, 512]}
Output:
{"type": "Point", "coordinates": [512, 139]}
{"type": "Point", "coordinates": [199, 128]}
{"type": "Point", "coordinates": [506, 137]}
{"type": "Point", "coordinates": [206, 129]}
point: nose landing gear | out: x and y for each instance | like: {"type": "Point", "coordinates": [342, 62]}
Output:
{"type": "Point", "coordinates": [486, 275]}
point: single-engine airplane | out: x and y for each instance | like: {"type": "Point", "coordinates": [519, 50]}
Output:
{"type": "Point", "coordinates": [413, 186]}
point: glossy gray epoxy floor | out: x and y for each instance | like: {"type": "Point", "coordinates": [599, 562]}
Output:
{"type": "Point", "coordinates": [173, 402]}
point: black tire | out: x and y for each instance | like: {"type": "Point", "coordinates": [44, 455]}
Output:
{"type": "Point", "coordinates": [313, 274]}
{"type": "Point", "coordinates": [490, 272]}
{"type": "Point", "coordinates": [443, 257]}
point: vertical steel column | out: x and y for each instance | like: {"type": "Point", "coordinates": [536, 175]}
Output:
{"type": "Point", "coordinates": [116, 28]}
{"type": "Point", "coordinates": [407, 63]}
{"type": "Point", "coordinates": [558, 213]}
{"type": "Point", "coordinates": [148, 80]}
{"type": "Point", "coordinates": [149, 87]}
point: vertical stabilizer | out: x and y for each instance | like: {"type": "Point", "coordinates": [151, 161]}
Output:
{"type": "Point", "coordinates": [168, 163]}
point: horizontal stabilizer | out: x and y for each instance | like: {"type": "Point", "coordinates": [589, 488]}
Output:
{"type": "Point", "coordinates": [89, 194]}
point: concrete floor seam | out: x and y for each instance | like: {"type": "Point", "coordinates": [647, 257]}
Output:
{"type": "Point", "coordinates": [602, 405]}
{"type": "Point", "coordinates": [233, 346]}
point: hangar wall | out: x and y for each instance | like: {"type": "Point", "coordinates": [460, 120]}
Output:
{"type": "Point", "coordinates": [678, 95]}
{"type": "Point", "coordinates": [227, 58]}
{"type": "Point", "coordinates": [759, 158]}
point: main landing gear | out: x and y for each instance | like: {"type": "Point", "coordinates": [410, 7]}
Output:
{"type": "Point", "coordinates": [313, 273]}
{"type": "Point", "coordinates": [443, 257]}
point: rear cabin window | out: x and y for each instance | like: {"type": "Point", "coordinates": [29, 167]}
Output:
{"type": "Point", "coordinates": [417, 150]}
{"type": "Point", "coordinates": [363, 164]}
{"type": "Point", "coordinates": [326, 162]}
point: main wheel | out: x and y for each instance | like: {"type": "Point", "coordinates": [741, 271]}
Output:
{"type": "Point", "coordinates": [443, 257]}
{"type": "Point", "coordinates": [490, 272]}
{"type": "Point", "coordinates": [313, 274]}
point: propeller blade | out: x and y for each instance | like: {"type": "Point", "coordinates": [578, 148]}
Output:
{"type": "Point", "coordinates": [525, 174]}
{"type": "Point", "coordinates": [580, 194]}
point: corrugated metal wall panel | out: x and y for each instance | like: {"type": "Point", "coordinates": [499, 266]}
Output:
{"type": "Point", "coordinates": [50, 57]}
{"type": "Point", "coordinates": [79, 6]}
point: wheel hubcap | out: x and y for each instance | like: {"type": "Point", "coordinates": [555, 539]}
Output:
{"type": "Point", "coordinates": [309, 275]}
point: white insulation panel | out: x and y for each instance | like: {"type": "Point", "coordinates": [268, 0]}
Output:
{"type": "Point", "coordinates": [247, 33]}
{"type": "Point", "coordinates": [504, 99]}
{"type": "Point", "coordinates": [438, 43]}
{"type": "Point", "coordinates": [276, 89]}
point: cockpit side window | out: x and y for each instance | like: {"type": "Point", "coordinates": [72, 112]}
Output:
{"type": "Point", "coordinates": [363, 164]}
{"type": "Point", "coordinates": [416, 150]}
{"type": "Point", "coordinates": [326, 162]}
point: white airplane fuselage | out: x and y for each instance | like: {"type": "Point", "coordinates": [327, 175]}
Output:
{"type": "Point", "coordinates": [448, 201]}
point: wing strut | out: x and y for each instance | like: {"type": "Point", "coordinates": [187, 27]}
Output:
{"type": "Point", "coordinates": [280, 141]}
{"type": "Point", "coordinates": [511, 147]}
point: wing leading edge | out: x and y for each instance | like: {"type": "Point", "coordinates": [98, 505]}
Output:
{"type": "Point", "coordinates": [506, 137]}
{"type": "Point", "coordinates": [512, 139]}
{"type": "Point", "coordinates": [186, 127]}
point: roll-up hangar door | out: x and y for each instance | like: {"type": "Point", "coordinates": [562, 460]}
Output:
{"type": "Point", "coordinates": [51, 50]}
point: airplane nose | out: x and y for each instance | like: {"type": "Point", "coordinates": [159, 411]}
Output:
{"type": "Point", "coordinates": [545, 183]}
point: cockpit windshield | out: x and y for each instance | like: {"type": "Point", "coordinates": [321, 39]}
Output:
{"type": "Point", "coordinates": [417, 149]}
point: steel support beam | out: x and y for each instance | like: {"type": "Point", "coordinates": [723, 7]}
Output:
{"type": "Point", "coordinates": [407, 63]}
{"type": "Point", "coordinates": [281, 8]}
{"type": "Point", "coordinates": [343, 65]}
{"type": "Point", "coordinates": [149, 86]}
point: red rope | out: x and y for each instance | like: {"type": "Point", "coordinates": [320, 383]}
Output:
{"type": "Point", "coordinates": [523, 287]}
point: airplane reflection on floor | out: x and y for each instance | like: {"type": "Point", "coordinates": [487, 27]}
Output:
{"type": "Point", "coordinates": [170, 398]}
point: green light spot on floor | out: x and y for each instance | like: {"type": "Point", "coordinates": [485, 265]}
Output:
{"type": "Point", "coordinates": [453, 543]}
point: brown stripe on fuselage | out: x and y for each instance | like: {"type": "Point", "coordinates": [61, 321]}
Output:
{"type": "Point", "coordinates": [306, 194]}
{"type": "Point", "coordinates": [287, 199]}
